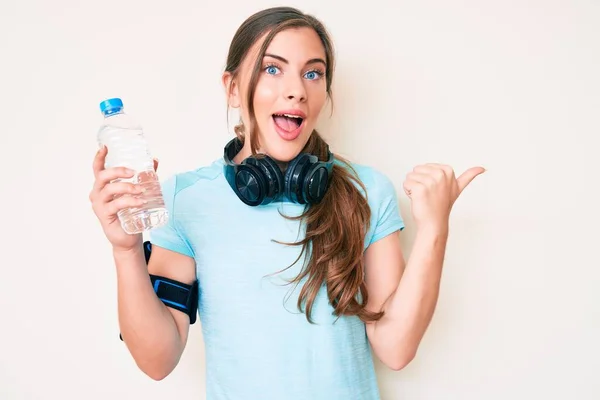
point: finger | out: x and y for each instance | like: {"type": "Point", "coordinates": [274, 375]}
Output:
{"type": "Point", "coordinates": [468, 176]}
{"type": "Point", "coordinates": [425, 168]}
{"type": "Point", "coordinates": [99, 159]}
{"type": "Point", "coordinates": [119, 188]}
{"type": "Point", "coordinates": [412, 186]}
{"type": "Point", "coordinates": [448, 170]}
{"type": "Point", "coordinates": [421, 177]}
{"type": "Point", "coordinates": [155, 164]}
{"type": "Point", "coordinates": [407, 189]}
{"type": "Point", "coordinates": [121, 203]}
{"type": "Point", "coordinates": [433, 166]}
{"type": "Point", "coordinates": [107, 175]}
{"type": "Point", "coordinates": [436, 171]}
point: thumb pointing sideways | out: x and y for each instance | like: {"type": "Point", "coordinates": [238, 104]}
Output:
{"type": "Point", "coordinates": [467, 177]}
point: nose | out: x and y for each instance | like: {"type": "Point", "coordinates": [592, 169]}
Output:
{"type": "Point", "coordinates": [295, 90]}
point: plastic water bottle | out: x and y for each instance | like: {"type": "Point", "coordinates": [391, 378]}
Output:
{"type": "Point", "coordinates": [127, 147]}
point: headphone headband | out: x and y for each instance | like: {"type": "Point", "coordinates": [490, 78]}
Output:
{"type": "Point", "coordinates": [258, 180]}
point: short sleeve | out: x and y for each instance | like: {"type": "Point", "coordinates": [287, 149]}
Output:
{"type": "Point", "coordinates": [385, 213]}
{"type": "Point", "coordinates": [169, 236]}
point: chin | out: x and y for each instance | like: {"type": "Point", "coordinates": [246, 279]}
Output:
{"type": "Point", "coordinates": [284, 148]}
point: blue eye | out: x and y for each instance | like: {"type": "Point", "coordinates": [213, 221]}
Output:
{"type": "Point", "coordinates": [312, 75]}
{"type": "Point", "coordinates": [271, 70]}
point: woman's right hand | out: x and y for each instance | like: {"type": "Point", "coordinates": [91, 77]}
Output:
{"type": "Point", "coordinates": [108, 197]}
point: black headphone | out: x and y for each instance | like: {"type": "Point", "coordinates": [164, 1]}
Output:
{"type": "Point", "coordinates": [259, 180]}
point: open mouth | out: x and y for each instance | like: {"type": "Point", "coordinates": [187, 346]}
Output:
{"type": "Point", "coordinates": [288, 122]}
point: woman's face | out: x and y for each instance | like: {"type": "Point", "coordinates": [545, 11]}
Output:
{"type": "Point", "coordinates": [290, 93]}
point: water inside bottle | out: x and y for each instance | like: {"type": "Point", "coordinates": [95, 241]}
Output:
{"type": "Point", "coordinates": [152, 214]}
{"type": "Point", "coordinates": [128, 148]}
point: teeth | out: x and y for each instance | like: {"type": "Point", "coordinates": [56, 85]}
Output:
{"type": "Point", "coordinates": [290, 116]}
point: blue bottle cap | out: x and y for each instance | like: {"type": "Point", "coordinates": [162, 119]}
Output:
{"type": "Point", "coordinates": [110, 106]}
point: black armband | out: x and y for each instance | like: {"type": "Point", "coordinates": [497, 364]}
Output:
{"type": "Point", "coordinates": [177, 295]}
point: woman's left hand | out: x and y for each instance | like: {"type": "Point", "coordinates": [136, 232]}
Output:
{"type": "Point", "coordinates": [433, 189]}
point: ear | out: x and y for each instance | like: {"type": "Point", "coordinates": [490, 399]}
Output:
{"type": "Point", "coordinates": [232, 92]}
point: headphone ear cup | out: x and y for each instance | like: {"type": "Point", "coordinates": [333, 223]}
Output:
{"type": "Point", "coordinates": [272, 176]}
{"type": "Point", "coordinates": [315, 183]}
{"type": "Point", "coordinates": [250, 184]}
{"type": "Point", "coordinates": [294, 177]}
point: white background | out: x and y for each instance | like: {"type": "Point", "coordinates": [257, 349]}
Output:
{"type": "Point", "coordinates": [510, 85]}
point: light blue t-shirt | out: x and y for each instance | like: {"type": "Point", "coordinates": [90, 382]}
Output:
{"type": "Point", "coordinates": [257, 344]}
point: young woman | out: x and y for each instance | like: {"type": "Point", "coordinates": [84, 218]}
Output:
{"type": "Point", "coordinates": [295, 251]}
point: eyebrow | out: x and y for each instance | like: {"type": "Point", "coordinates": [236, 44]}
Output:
{"type": "Point", "coordinates": [283, 60]}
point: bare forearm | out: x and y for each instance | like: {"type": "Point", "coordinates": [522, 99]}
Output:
{"type": "Point", "coordinates": [410, 308]}
{"type": "Point", "coordinates": [147, 326]}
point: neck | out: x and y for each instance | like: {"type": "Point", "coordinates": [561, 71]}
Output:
{"type": "Point", "coordinates": [282, 165]}
{"type": "Point", "coordinates": [246, 152]}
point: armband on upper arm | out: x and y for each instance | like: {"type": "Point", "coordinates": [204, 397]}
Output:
{"type": "Point", "coordinates": [177, 295]}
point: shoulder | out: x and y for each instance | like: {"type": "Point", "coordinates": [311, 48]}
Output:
{"type": "Point", "coordinates": [382, 198]}
{"type": "Point", "coordinates": [378, 186]}
{"type": "Point", "coordinates": [179, 182]}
